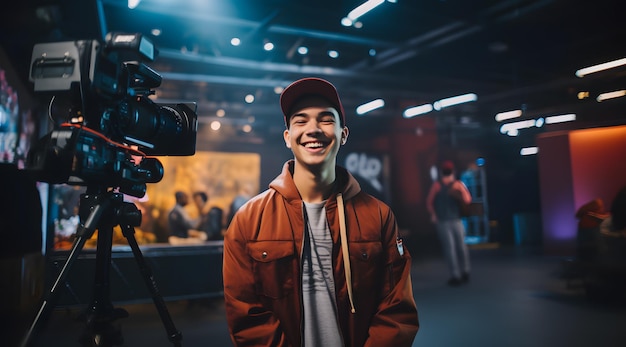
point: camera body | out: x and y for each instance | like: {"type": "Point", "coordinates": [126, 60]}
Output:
{"type": "Point", "coordinates": [107, 123]}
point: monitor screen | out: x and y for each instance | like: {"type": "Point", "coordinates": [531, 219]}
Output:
{"type": "Point", "coordinates": [18, 121]}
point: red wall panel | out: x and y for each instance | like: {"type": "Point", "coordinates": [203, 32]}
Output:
{"type": "Point", "coordinates": [574, 168]}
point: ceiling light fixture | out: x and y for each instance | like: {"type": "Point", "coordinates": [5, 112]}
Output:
{"type": "Point", "coordinates": [370, 106]}
{"type": "Point", "coordinates": [455, 100]}
{"type": "Point", "coordinates": [561, 118]}
{"type": "Point", "coordinates": [600, 67]}
{"type": "Point", "coordinates": [512, 129]}
{"type": "Point", "coordinates": [359, 11]}
{"type": "Point", "coordinates": [132, 4]}
{"type": "Point", "coordinates": [611, 95]}
{"type": "Point", "coordinates": [346, 22]}
{"type": "Point", "coordinates": [508, 115]}
{"type": "Point", "coordinates": [582, 95]}
{"type": "Point", "coordinates": [417, 110]}
{"type": "Point", "coordinates": [215, 125]}
{"type": "Point", "coordinates": [529, 151]}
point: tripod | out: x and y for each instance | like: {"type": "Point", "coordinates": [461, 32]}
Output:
{"type": "Point", "coordinates": [102, 210]}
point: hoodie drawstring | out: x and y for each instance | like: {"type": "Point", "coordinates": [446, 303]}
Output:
{"type": "Point", "coordinates": [344, 248]}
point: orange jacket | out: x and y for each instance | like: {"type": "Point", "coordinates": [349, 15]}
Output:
{"type": "Point", "coordinates": [262, 269]}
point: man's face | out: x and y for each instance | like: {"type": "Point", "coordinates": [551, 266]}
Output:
{"type": "Point", "coordinates": [197, 199]}
{"type": "Point", "coordinates": [184, 200]}
{"type": "Point", "coordinates": [315, 133]}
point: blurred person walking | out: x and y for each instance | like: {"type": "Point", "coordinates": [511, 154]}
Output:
{"type": "Point", "coordinates": [445, 200]}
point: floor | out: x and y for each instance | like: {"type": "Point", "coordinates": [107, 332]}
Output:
{"type": "Point", "coordinates": [516, 297]}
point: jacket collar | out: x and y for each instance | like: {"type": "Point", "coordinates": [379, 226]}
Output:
{"type": "Point", "coordinates": [285, 186]}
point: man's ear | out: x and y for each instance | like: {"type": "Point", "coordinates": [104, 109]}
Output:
{"type": "Point", "coordinates": [287, 137]}
{"type": "Point", "coordinates": [344, 135]}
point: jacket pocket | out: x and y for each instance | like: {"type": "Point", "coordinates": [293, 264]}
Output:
{"type": "Point", "coordinates": [274, 267]}
{"type": "Point", "coordinates": [367, 264]}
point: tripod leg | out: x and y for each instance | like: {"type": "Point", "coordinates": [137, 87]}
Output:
{"type": "Point", "coordinates": [100, 315]}
{"type": "Point", "coordinates": [174, 335]}
{"type": "Point", "coordinates": [83, 233]}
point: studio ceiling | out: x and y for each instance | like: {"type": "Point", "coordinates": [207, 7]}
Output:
{"type": "Point", "coordinates": [511, 53]}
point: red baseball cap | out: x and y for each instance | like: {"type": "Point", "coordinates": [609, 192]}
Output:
{"type": "Point", "coordinates": [447, 165]}
{"type": "Point", "coordinates": [307, 87]}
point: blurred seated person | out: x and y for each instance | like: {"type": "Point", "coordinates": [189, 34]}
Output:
{"type": "Point", "coordinates": [210, 220]}
{"type": "Point", "coordinates": [613, 231]}
{"type": "Point", "coordinates": [244, 194]}
{"type": "Point", "coordinates": [182, 227]}
{"type": "Point", "coordinates": [589, 216]}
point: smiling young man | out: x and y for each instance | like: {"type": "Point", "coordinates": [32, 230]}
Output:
{"type": "Point", "coordinates": [314, 260]}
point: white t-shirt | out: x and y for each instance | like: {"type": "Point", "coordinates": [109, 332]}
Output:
{"type": "Point", "coordinates": [318, 285]}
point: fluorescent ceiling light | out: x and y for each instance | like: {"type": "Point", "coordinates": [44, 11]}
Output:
{"type": "Point", "coordinates": [363, 9]}
{"type": "Point", "coordinates": [560, 119]}
{"type": "Point", "coordinates": [600, 67]}
{"type": "Point", "coordinates": [370, 106]}
{"type": "Point", "coordinates": [455, 100]}
{"type": "Point", "coordinates": [513, 128]}
{"type": "Point", "coordinates": [529, 151]}
{"type": "Point", "coordinates": [611, 95]}
{"type": "Point", "coordinates": [508, 115]}
{"type": "Point", "coordinates": [417, 110]}
{"type": "Point", "coordinates": [133, 3]}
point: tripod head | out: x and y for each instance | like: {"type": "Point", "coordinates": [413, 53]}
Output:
{"type": "Point", "coordinates": [111, 208]}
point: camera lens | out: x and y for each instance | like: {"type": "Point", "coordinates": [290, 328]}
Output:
{"type": "Point", "coordinates": [160, 129]}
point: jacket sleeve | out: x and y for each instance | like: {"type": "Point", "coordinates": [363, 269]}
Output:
{"type": "Point", "coordinates": [249, 322]}
{"type": "Point", "coordinates": [396, 321]}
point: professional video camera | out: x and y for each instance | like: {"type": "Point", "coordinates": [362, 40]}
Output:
{"type": "Point", "coordinates": [107, 128]}
{"type": "Point", "coordinates": [108, 124]}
